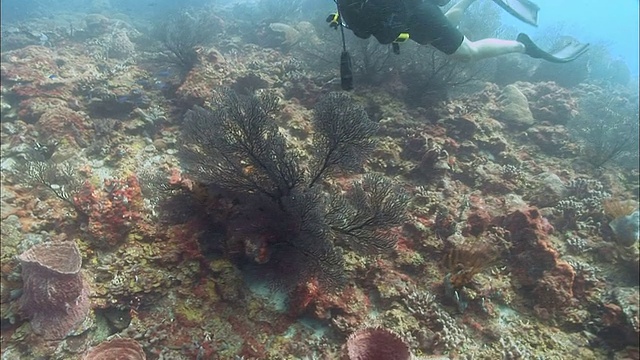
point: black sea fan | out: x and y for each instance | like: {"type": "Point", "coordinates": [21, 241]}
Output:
{"type": "Point", "coordinates": [277, 217]}
{"type": "Point", "coordinates": [183, 32]}
{"type": "Point", "coordinates": [237, 146]}
{"type": "Point", "coordinates": [371, 205]}
{"type": "Point", "coordinates": [343, 136]}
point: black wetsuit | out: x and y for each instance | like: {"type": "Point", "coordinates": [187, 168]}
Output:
{"type": "Point", "coordinates": [386, 19]}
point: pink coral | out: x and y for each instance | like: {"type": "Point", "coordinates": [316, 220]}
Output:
{"type": "Point", "coordinates": [55, 296]}
{"type": "Point", "coordinates": [536, 263]}
{"type": "Point", "coordinates": [377, 344]}
{"type": "Point", "coordinates": [116, 349]}
{"type": "Point", "coordinates": [111, 211]}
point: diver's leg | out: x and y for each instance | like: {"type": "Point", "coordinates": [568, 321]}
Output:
{"type": "Point", "coordinates": [454, 15]}
{"type": "Point", "coordinates": [486, 48]}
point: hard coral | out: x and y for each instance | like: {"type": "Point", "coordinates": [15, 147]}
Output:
{"type": "Point", "coordinates": [55, 296]}
{"type": "Point", "coordinates": [116, 349]}
{"type": "Point", "coordinates": [377, 344]}
{"type": "Point", "coordinates": [121, 46]}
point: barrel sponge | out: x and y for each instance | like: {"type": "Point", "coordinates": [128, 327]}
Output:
{"type": "Point", "coordinates": [55, 296]}
{"type": "Point", "coordinates": [116, 349]}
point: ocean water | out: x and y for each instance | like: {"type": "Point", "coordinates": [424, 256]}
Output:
{"type": "Point", "coordinates": [235, 180]}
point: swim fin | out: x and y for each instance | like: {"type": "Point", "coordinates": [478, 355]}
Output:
{"type": "Point", "coordinates": [565, 54]}
{"type": "Point", "coordinates": [524, 10]}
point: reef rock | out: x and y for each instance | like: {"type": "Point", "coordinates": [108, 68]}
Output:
{"type": "Point", "coordinates": [515, 108]}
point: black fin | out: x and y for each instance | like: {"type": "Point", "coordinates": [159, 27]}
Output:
{"type": "Point", "coordinates": [524, 10]}
{"type": "Point", "coordinates": [565, 54]}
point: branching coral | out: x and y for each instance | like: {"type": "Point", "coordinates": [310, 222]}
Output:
{"type": "Point", "coordinates": [429, 76]}
{"type": "Point", "coordinates": [343, 136]}
{"type": "Point", "coordinates": [271, 206]}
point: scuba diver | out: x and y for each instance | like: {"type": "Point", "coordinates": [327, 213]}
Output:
{"type": "Point", "coordinates": [395, 21]}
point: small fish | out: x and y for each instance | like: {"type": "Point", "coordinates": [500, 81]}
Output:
{"type": "Point", "coordinates": [53, 76]}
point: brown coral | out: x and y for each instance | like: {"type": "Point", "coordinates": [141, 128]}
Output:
{"type": "Point", "coordinates": [617, 208]}
{"type": "Point", "coordinates": [377, 344]}
{"type": "Point", "coordinates": [116, 349]}
{"type": "Point", "coordinates": [55, 296]}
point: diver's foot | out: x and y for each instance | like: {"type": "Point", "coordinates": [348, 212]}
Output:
{"type": "Point", "coordinates": [530, 48]}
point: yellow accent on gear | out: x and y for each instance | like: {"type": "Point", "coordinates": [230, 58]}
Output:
{"type": "Point", "coordinates": [402, 38]}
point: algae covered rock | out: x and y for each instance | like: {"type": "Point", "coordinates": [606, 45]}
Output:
{"type": "Point", "coordinates": [514, 108]}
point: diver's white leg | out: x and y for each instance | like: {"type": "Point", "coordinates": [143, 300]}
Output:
{"type": "Point", "coordinates": [454, 15]}
{"type": "Point", "coordinates": [486, 48]}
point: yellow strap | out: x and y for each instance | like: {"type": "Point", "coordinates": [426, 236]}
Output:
{"type": "Point", "coordinates": [335, 19]}
{"type": "Point", "coordinates": [402, 38]}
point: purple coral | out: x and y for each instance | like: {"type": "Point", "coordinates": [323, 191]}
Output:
{"type": "Point", "coordinates": [116, 349]}
{"type": "Point", "coordinates": [55, 296]}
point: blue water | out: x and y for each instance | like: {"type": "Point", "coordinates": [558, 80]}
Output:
{"type": "Point", "coordinates": [612, 23]}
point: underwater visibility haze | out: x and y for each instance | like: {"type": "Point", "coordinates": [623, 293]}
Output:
{"type": "Point", "coordinates": [309, 179]}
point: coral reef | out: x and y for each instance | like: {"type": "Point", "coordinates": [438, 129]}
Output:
{"type": "Point", "coordinates": [291, 35]}
{"type": "Point", "coordinates": [283, 220]}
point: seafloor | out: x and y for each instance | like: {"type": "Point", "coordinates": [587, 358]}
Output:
{"type": "Point", "coordinates": [505, 252]}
